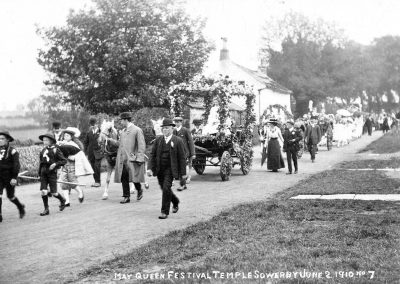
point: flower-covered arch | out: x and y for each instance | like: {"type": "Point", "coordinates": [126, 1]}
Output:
{"type": "Point", "coordinates": [214, 92]}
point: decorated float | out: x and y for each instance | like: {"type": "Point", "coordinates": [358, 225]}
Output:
{"type": "Point", "coordinates": [222, 142]}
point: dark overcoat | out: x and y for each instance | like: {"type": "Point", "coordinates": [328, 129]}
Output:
{"type": "Point", "coordinates": [313, 134]}
{"type": "Point", "coordinates": [288, 136]}
{"type": "Point", "coordinates": [93, 148]}
{"type": "Point", "coordinates": [177, 152]}
{"type": "Point", "coordinates": [187, 139]}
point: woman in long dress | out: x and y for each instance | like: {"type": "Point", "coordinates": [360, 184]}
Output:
{"type": "Point", "coordinates": [275, 142]}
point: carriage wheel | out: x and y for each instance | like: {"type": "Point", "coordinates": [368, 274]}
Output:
{"type": "Point", "coordinates": [226, 166]}
{"type": "Point", "coordinates": [245, 163]}
{"type": "Point", "coordinates": [199, 165]}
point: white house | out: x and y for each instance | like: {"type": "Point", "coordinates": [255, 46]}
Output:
{"type": "Point", "coordinates": [267, 91]}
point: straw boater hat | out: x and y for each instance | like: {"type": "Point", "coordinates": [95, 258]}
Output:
{"type": "Point", "coordinates": [167, 122]}
{"type": "Point", "coordinates": [7, 134]}
{"type": "Point", "coordinates": [290, 121]}
{"type": "Point", "coordinates": [73, 131]}
{"type": "Point", "coordinates": [48, 135]}
{"type": "Point", "coordinates": [178, 118]}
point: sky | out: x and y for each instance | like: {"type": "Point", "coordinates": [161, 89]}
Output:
{"type": "Point", "coordinates": [21, 77]}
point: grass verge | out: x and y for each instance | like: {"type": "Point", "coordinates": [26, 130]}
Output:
{"type": "Point", "coordinates": [388, 143]}
{"type": "Point", "coordinates": [340, 241]}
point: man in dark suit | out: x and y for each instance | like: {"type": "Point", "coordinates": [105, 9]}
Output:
{"type": "Point", "coordinates": [368, 125]}
{"type": "Point", "coordinates": [93, 150]}
{"type": "Point", "coordinates": [291, 138]}
{"type": "Point", "coordinates": [188, 144]}
{"type": "Point", "coordinates": [57, 130]}
{"type": "Point", "coordinates": [313, 136]}
{"type": "Point", "coordinates": [167, 161]}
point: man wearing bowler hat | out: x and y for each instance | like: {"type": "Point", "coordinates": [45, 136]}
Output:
{"type": "Point", "coordinates": [9, 169]}
{"type": "Point", "coordinates": [129, 166]}
{"type": "Point", "coordinates": [291, 146]}
{"type": "Point", "coordinates": [313, 136]}
{"type": "Point", "coordinates": [57, 130]}
{"type": "Point", "coordinates": [188, 144]}
{"type": "Point", "coordinates": [168, 161]}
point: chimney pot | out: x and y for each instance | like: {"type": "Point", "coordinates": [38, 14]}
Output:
{"type": "Point", "coordinates": [224, 53]}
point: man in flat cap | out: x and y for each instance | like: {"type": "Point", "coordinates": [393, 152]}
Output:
{"type": "Point", "coordinates": [9, 169]}
{"type": "Point", "coordinates": [129, 166]}
{"type": "Point", "coordinates": [167, 162]}
{"type": "Point", "coordinates": [94, 150]}
{"type": "Point", "coordinates": [188, 144]}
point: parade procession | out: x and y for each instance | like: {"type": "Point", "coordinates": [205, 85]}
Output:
{"type": "Point", "coordinates": [224, 141]}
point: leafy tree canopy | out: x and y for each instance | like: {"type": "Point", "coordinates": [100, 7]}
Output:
{"type": "Point", "coordinates": [123, 54]}
{"type": "Point", "coordinates": [316, 61]}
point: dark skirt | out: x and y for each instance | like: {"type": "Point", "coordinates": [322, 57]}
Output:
{"type": "Point", "coordinates": [274, 155]}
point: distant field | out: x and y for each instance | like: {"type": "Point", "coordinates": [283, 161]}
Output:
{"type": "Point", "coordinates": [17, 122]}
{"type": "Point", "coordinates": [28, 134]}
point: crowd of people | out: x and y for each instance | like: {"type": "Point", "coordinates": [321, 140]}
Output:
{"type": "Point", "coordinates": [64, 158]}
{"type": "Point", "coordinates": [314, 131]}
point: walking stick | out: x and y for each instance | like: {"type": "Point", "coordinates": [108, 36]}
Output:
{"type": "Point", "coordinates": [59, 181]}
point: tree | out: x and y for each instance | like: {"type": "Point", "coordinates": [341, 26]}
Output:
{"type": "Point", "coordinates": [37, 110]}
{"type": "Point", "coordinates": [314, 60]}
{"type": "Point", "coordinates": [123, 55]}
{"type": "Point", "coordinates": [384, 53]}
{"type": "Point", "coordinates": [296, 68]}
{"type": "Point", "coordinates": [298, 28]}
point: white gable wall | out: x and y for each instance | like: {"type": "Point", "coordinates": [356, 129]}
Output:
{"type": "Point", "coordinates": [264, 97]}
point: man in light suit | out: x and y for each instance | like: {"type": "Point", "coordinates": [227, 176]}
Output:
{"type": "Point", "coordinates": [188, 144]}
{"type": "Point", "coordinates": [168, 162]}
{"type": "Point", "coordinates": [93, 150]}
{"type": "Point", "coordinates": [129, 166]}
{"type": "Point", "coordinates": [313, 136]}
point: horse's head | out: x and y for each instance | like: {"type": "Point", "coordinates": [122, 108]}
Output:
{"type": "Point", "coordinates": [106, 129]}
{"type": "Point", "coordinates": [157, 126]}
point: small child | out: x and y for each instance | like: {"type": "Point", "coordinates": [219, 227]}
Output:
{"type": "Point", "coordinates": [76, 165]}
{"type": "Point", "coordinates": [9, 169]}
{"type": "Point", "coordinates": [51, 159]}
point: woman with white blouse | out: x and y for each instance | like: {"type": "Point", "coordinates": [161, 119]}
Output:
{"type": "Point", "coordinates": [275, 142]}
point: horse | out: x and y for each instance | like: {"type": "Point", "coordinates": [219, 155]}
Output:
{"type": "Point", "coordinates": [157, 126]}
{"type": "Point", "coordinates": [107, 130]}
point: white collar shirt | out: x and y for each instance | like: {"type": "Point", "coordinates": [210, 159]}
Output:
{"type": "Point", "coordinates": [167, 138]}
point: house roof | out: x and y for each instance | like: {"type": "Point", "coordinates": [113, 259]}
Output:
{"type": "Point", "coordinates": [200, 105]}
{"type": "Point", "coordinates": [226, 67]}
{"type": "Point", "coordinates": [264, 79]}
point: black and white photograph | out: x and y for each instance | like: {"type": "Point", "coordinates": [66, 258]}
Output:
{"type": "Point", "coordinates": [199, 141]}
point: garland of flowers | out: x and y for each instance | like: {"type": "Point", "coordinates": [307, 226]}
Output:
{"type": "Point", "coordinates": [178, 99]}
{"type": "Point", "coordinates": [223, 98]}
{"type": "Point", "coordinates": [215, 91]}
{"type": "Point", "coordinates": [208, 103]}
{"type": "Point", "coordinates": [280, 107]}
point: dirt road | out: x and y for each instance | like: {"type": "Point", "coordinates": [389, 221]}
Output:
{"type": "Point", "coordinates": [55, 248]}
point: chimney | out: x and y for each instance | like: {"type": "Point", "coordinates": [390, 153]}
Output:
{"type": "Point", "coordinates": [224, 53]}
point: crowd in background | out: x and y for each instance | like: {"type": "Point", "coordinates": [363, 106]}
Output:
{"type": "Point", "coordinates": [339, 130]}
